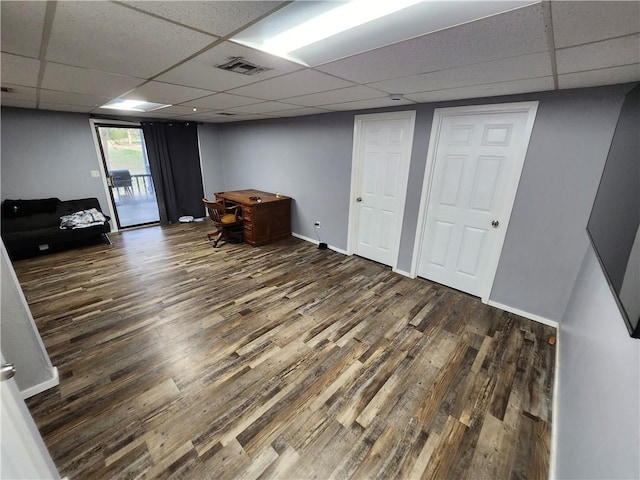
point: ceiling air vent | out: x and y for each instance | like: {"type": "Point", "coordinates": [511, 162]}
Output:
{"type": "Point", "coordinates": [240, 65]}
{"type": "Point", "coordinates": [6, 89]}
{"type": "Point", "coordinates": [226, 114]}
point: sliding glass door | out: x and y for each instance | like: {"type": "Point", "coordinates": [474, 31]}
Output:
{"type": "Point", "coordinates": [128, 175]}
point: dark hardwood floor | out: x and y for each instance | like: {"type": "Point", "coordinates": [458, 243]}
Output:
{"type": "Point", "coordinates": [182, 361]}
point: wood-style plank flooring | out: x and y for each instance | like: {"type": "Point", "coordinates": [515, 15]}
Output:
{"type": "Point", "coordinates": [178, 360]}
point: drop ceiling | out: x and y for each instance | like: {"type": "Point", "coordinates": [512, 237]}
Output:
{"type": "Point", "coordinates": [75, 56]}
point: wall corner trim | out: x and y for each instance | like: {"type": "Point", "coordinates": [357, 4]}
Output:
{"type": "Point", "coordinates": [522, 313]}
{"type": "Point", "coordinates": [41, 387]}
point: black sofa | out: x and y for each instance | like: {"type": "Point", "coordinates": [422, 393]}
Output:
{"type": "Point", "coordinates": [32, 227]}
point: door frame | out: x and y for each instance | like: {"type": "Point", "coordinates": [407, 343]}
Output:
{"type": "Point", "coordinates": [439, 114]}
{"type": "Point", "coordinates": [95, 122]}
{"type": "Point", "coordinates": [356, 172]}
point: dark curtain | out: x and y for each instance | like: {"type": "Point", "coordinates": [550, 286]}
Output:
{"type": "Point", "coordinates": [174, 159]}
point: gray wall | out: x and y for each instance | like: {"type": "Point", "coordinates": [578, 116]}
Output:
{"type": "Point", "coordinates": [210, 159]}
{"type": "Point", "coordinates": [598, 423]}
{"type": "Point", "coordinates": [309, 159]}
{"type": "Point", "coordinates": [21, 343]}
{"type": "Point", "coordinates": [48, 154]}
{"type": "Point", "coordinates": [545, 241]}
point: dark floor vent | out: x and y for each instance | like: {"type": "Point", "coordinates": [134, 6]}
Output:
{"type": "Point", "coordinates": [240, 65]}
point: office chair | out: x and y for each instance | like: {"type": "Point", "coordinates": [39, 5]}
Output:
{"type": "Point", "coordinates": [227, 221]}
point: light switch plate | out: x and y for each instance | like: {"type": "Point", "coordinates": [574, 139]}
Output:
{"type": "Point", "coordinates": [95, 173]}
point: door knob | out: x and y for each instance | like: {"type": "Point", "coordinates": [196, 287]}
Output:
{"type": "Point", "coordinates": [7, 371]}
{"type": "Point", "coordinates": [495, 223]}
{"type": "Point", "coordinates": [359, 199]}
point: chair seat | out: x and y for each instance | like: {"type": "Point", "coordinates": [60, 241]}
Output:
{"type": "Point", "coordinates": [228, 218]}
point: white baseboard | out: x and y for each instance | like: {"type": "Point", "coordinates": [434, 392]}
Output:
{"type": "Point", "coordinates": [41, 387]}
{"type": "Point", "coordinates": [522, 313]}
{"type": "Point", "coordinates": [402, 272]}
{"type": "Point", "coordinates": [316, 242]}
{"type": "Point", "coordinates": [553, 461]}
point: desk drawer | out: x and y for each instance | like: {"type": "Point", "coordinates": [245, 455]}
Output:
{"type": "Point", "coordinates": [247, 213]}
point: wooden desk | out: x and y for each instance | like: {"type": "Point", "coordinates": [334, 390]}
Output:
{"type": "Point", "coordinates": [265, 221]}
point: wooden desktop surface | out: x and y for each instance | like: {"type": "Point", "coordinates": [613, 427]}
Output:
{"type": "Point", "coordinates": [243, 197]}
{"type": "Point", "coordinates": [265, 221]}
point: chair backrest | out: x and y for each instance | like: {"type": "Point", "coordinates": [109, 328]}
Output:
{"type": "Point", "coordinates": [217, 211]}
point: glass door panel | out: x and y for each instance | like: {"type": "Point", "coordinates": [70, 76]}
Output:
{"type": "Point", "coordinates": [129, 176]}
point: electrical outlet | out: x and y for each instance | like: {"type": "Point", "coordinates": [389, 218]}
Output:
{"type": "Point", "coordinates": [95, 173]}
{"type": "Point", "coordinates": [316, 224]}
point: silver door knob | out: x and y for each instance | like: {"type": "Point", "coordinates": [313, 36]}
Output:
{"type": "Point", "coordinates": [359, 199]}
{"type": "Point", "coordinates": [7, 371]}
{"type": "Point", "coordinates": [495, 223]}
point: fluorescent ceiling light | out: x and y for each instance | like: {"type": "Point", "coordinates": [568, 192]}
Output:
{"type": "Point", "coordinates": [340, 19]}
{"type": "Point", "coordinates": [133, 105]}
{"type": "Point", "coordinates": [314, 33]}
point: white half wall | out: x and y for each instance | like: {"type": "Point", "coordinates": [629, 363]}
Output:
{"type": "Point", "coordinates": [21, 342]}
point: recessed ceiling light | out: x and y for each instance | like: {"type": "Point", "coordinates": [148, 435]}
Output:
{"type": "Point", "coordinates": [133, 105]}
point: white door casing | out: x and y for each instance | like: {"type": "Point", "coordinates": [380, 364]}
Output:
{"type": "Point", "coordinates": [475, 159]}
{"type": "Point", "coordinates": [380, 170]}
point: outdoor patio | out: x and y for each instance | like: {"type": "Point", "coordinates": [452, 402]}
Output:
{"type": "Point", "coordinates": [136, 202]}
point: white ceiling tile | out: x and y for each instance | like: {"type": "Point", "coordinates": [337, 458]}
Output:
{"type": "Point", "coordinates": [109, 37]}
{"type": "Point", "coordinates": [174, 110]}
{"type": "Point", "coordinates": [20, 70]}
{"type": "Point", "coordinates": [578, 22]}
{"type": "Point", "coordinates": [215, 17]}
{"type": "Point", "coordinates": [200, 117]}
{"type": "Point", "coordinates": [22, 25]}
{"type": "Point", "coordinates": [72, 99]}
{"type": "Point", "coordinates": [222, 101]}
{"type": "Point", "coordinates": [510, 34]}
{"type": "Point", "coordinates": [367, 104]}
{"type": "Point", "coordinates": [159, 92]}
{"type": "Point", "coordinates": [593, 56]}
{"type": "Point", "coordinates": [90, 82]}
{"type": "Point", "coordinates": [201, 72]}
{"type": "Point", "coordinates": [349, 94]}
{"type": "Point", "coordinates": [294, 84]}
{"type": "Point", "coordinates": [265, 107]}
{"type": "Point", "coordinates": [489, 90]}
{"type": "Point", "coordinates": [605, 76]}
{"type": "Point", "coordinates": [515, 68]}
{"type": "Point", "coordinates": [18, 92]}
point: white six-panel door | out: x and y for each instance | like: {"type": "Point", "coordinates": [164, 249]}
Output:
{"type": "Point", "coordinates": [382, 153]}
{"type": "Point", "coordinates": [476, 158]}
